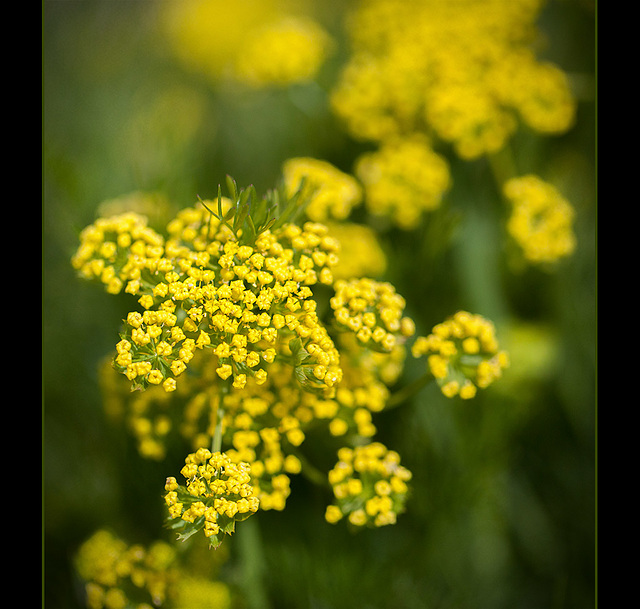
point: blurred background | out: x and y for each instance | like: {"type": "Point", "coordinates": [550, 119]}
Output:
{"type": "Point", "coordinates": [502, 513]}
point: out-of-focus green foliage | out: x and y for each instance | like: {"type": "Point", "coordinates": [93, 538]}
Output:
{"type": "Point", "coordinates": [502, 509]}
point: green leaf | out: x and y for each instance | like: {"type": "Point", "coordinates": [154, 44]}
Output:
{"type": "Point", "coordinates": [307, 381]}
{"type": "Point", "coordinates": [215, 541]}
{"type": "Point", "coordinates": [243, 208]}
{"type": "Point", "coordinates": [232, 187]}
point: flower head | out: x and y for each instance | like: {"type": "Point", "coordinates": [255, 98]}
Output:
{"type": "Point", "coordinates": [117, 251]}
{"type": "Point", "coordinates": [369, 486]}
{"type": "Point", "coordinates": [541, 219]}
{"type": "Point", "coordinates": [216, 495]}
{"type": "Point", "coordinates": [282, 52]}
{"type": "Point", "coordinates": [118, 574]}
{"type": "Point", "coordinates": [373, 311]}
{"type": "Point", "coordinates": [233, 276]}
{"type": "Point", "coordinates": [331, 193]}
{"type": "Point", "coordinates": [403, 179]}
{"type": "Point", "coordinates": [461, 71]}
{"type": "Point", "coordinates": [279, 47]}
{"type": "Point", "coordinates": [462, 354]}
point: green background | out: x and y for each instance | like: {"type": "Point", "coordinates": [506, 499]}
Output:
{"type": "Point", "coordinates": [502, 513]}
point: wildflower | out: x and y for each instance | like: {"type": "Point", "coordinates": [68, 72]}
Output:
{"type": "Point", "coordinates": [105, 255]}
{"type": "Point", "coordinates": [403, 179]}
{"type": "Point", "coordinates": [361, 254]}
{"type": "Point", "coordinates": [286, 51]}
{"type": "Point", "coordinates": [278, 50]}
{"type": "Point", "coordinates": [373, 311]}
{"type": "Point", "coordinates": [113, 569]}
{"type": "Point", "coordinates": [541, 220]}
{"type": "Point", "coordinates": [462, 72]}
{"type": "Point", "coordinates": [217, 494]}
{"type": "Point", "coordinates": [369, 486]}
{"type": "Point", "coordinates": [239, 289]}
{"type": "Point", "coordinates": [462, 354]}
{"type": "Point", "coordinates": [331, 193]}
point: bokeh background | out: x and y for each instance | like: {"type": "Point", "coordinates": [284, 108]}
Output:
{"type": "Point", "coordinates": [502, 513]}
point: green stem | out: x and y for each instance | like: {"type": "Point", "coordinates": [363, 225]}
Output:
{"type": "Point", "coordinates": [253, 564]}
{"type": "Point", "coordinates": [502, 165]}
{"type": "Point", "coordinates": [408, 391]}
{"type": "Point", "coordinates": [310, 471]}
{"type": "Point", "coordinates": [216, 443]}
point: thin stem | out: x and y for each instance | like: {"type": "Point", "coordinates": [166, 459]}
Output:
{"type": "Point", "coordinates": [310, 471]}
{"type": "Point", "coordinates": [502, 165]}
{"type": "Point", "coordinates": [216, 443]}
{"type": "Point", "coordinates": [408, 391]}
{"type": "Point", "coordinates": [253, 564]}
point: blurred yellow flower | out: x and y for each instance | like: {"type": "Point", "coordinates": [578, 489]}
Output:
{"type": "Point", "coordinates": [403, 179]}
{"type": "Point", "coordinates": [258, 42]}
{"type": "Point", "coordinates": [462, 71]}
{"type": "Point", "coordinates": [541, 219]}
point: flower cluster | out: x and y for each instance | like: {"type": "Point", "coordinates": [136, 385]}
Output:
{"type": "Point", "coordinates": [119, 575]}
{"type": "Point", "coordinates": [217, 494]}
{"type": "Point", "coordinates": [361, 253]}
{"type": "Point", "coordinates": [403, 178]}
{"type": "Point", "coordinates": [462, 354]}
{"type": "Point", "coordinates": [290, 50]}
{"type": "Point", "coordinates": [541, 219]}
{"type": "Point", "coordinates": [373, 310]}
{"type": "Point", "coordinates": [247, 342]}
{"type": "Point", "coordinates": [116, 249]}
{"type": "Point", "coordinates": [280, 46]}
{"type": "Point", "coordinates": [206, 288]}
{"type": "Point", "coordinates": [369, 486]}
{"type": "Point", "coordinates": [463, 71]}
{"type": "Point", "coordinates": [330, 193]}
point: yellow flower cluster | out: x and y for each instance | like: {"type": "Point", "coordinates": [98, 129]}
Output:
{"type": "Point", "coordinates": [462, 354]}
{"type": "Point", "coordinates": [203, 288]}
{"type": "Point", "coordinates": [290, 50]}
{"type": "Point", "coordinates": [463, 71]}
{"type": "Point", "coordinates": [331, 193]}
{"type": "Point", "coordinates": [115, 251]}
{"type": "Point", "coordinates": [263, 424]}
{"type": "Point", "coordinates": [118, 575]}
{"type": "Point", "coordinates": [361, 254]}
{"type": "Point", "coordinates": [258, 42]}
{"type": "Point", "coordinates": [369, 486]}
{"type": "Point", "coordinates": [217, 494]}
{"type": "Point", "coordinates": [541, 219]}
{"type": "Point", "coordinates": [373, 311]}
{"type": "Point", "coordinates": [231, 295]}
{"type": "Point", "coordinates": [403, 179]}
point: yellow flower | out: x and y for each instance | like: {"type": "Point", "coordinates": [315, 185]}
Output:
{"type": "Point", "coordinates": [331, 193]}
{"type": "Point", "coordinates": [541, 220]}
{"type": "Point", "coordinates": [283, 52]}
{"type": "Point", "coordinates": [217, 488]}
{"type": "Point", "coordinates": [460, 71]}
{"type": "Point", "coordinates": [333, 514]}
{"type": "Point", "coordinates": [462, 354]}
{"type": "Point", "coordinates": [403, 179]}
{"type": "Point", "coordinates": [109, 566]}
{"type": "Point", "coordinates": [365, 485]}
{"type": "Point", "coordinates": [373, 311]}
